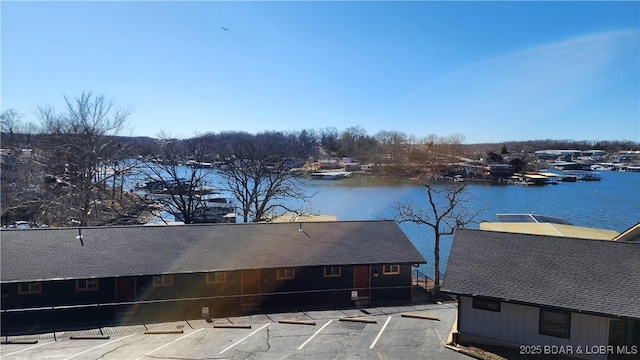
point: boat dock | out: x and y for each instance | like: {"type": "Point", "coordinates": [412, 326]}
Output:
{"type": "Point", "coordinates": [330, 175]}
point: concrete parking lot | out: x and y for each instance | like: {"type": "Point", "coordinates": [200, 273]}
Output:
{"type": "Point", "coordinates": [372, 333]}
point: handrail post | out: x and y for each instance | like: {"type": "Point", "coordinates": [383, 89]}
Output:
{"type": "Point", "coordinates": [53, 323]}
{"type": "Point", "coordinates": [333, 303]}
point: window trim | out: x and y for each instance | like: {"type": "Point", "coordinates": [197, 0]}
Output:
{"type": "Point", "coordinates": [162, 280]}
{"type": "Point", "coordinates": [282, 274]}
{"type": "Point", "coordinates": [30, 288]}
{"type": "Point", "coordinates": [87, 286]}
{"type": "Point", "coordinates": [483, 303]}
{"type": "Point", "coordinates": [331, 273]}
{"type": "Point", "coordinates": [215, 279]}
{"type": "Point", "coordinates": [390, 270]}
{"type": "Point", "coordinates": [566, 333]}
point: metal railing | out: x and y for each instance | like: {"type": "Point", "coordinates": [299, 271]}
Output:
{"type": "Point", "coordinates": [65, 317]}
{"type": "Point", "coordinates": [422, 280]}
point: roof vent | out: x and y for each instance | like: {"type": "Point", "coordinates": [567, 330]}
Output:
{"type": "Point", "coordinates": [80, 236]}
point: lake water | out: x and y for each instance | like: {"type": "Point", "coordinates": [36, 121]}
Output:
{"type": "Point", "coordinates": [612, 203]}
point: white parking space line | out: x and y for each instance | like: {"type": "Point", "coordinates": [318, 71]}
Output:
{"type": "Point", "coordinates": [99, 346]}
{"type": "Point", "coordinates": [29, 348]}
{"type": "Point", "coordinates": [380, 333]}
{"type": "Point", "coordinates": [243, 339]}
{"type": "Point", "coordinates": [314, 334]}
{"type": "Point", "coordinates": [167, 344]}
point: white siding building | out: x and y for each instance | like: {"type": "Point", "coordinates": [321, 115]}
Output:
{"type": "Point", "coordinates": [546, 295]}
{"type": "Point", "coordinates": [518, 324]}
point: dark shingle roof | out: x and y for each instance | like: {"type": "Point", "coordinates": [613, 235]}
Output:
{"type": "Point", "coordinates": [41, 254]}
{"type": "Point", "coordinates": [593, 276]}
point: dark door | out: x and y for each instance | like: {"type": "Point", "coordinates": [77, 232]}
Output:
{"type": "Point", "coordinates": [126, 292]}
{"type": "Point", "coordinates": [125, 289]}
{"type": "Point", "coordinates": [250, 287]}
{"type": "Point", "coordinates": [361, 281]}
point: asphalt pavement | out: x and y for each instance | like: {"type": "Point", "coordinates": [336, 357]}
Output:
{"type": "Point", "coordinates": [403, 332]}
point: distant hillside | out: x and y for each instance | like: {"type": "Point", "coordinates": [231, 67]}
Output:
{"type": "Point", "coordinates": [530, 146]}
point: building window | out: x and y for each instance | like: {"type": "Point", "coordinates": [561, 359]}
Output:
{"type": "Point", "coordinates": [30, 288]}
{"type": "Point", "coordinates": [555, 323]}
{"type": "Point", "coordinates": [486, 304]}
{"type": "Point", "coordinates": [286, 274]}
{"type": "Point", "coordinates": [391, 269]}
{"type": "Point", "coordinates": [87, 285]}
{"type": "Point", "coordinates": [332, 271]}
{"type": "Point", "coordinates": [217, 277]}
{"type": "Point", "coordinates": [163, 280]}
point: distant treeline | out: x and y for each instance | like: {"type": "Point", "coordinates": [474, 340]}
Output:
{"type": "Point", "coordinates": [529, 146]}
{"type": "Point", "coordinates": [352, 142]}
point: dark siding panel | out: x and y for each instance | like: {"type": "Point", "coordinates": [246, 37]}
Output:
{"type": "Point", "coordinates": [391, 288]}
{"type": "Point", "coordinates": [309, 289]}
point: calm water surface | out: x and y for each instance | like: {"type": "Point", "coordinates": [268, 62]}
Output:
{"type": "Point", "coordinates": [612, 203]}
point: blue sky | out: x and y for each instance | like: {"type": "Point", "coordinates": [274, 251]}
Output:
{"type": "Point", "coordinates": [491, 71]}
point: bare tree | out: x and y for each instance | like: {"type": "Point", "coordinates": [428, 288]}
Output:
{"type": "Point", "coordinates": [177, 176]}
{"type": "Point", "coordinates": [395, 144]}
{"type": "Point", "coordinates": [77, 142]}
{"type": "Point", "coordinates": [9, 122]}
{"type": "Point", "coordinates": [21, 188]}
{"type": "Point", "coordinates": [329, 140]}
{"type": "Point", "coordinates": [257, 173]}
{"type": "Point", "coordinates": [430, 140]}
{"type": "Point", "coordinates": [455, 142]}
{"type": "Point", "coordinates": [446, 211]}
{"type": "Point", "coordinates": [354, 142]}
